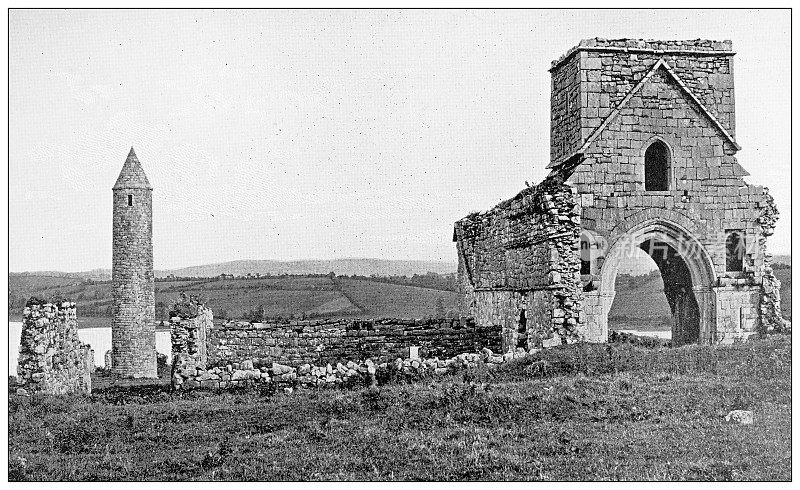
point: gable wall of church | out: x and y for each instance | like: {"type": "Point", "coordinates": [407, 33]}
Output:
{"type": "Point", "coordinates": [704, 185]}
{"type": "Point", "coordinates": [588, 83]}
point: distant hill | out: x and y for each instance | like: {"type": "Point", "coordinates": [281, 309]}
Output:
{"type": "Point", "coordinates": [639, 264]}
{"type": "Point", "coordinates": [348, 267]}
{"type": "Point", "coordinates": [342, 267]}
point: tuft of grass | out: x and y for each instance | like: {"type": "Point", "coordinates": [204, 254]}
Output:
{"type": "Point", "coordinates": [766, 357]}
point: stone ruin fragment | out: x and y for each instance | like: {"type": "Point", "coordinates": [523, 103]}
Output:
{"type": "Point", "coordinates": [52, 358]}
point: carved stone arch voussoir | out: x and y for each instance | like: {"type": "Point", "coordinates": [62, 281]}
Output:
{"type": "Point", "coordinates": [644, 215]}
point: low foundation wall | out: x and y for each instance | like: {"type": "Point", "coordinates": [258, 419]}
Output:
{"type": "Point", "coordinates": [243, 354]}
{"type": "Point", "coordinates": [367, 373]}
{"type": "Point", "coordinates": [320, 342]}
{"type": "Point", "coordinates": [52, 359]}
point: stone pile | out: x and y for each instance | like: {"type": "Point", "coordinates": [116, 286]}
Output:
{"type": "Point", "coordinates": [352, 373]}
{"type": "Point", "coordinates": [52, 359]}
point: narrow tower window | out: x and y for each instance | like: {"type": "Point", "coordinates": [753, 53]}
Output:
{"type": "Point", "coordinates": [656, 167]}
{"type": "Point", "coordinates": [734, 251]}
{"type": "Point", "coordinates": [130, 199]}
{"type": "Point", "coordinates": [522, 330]}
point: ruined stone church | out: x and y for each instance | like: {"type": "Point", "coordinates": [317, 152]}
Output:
{"type": "Point", "coordinates": [642, 155]}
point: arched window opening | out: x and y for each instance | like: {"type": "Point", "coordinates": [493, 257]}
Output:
{"type": "Point", "coordinates": [656, 167]}
{"type": "Point", "coordinates": [734, 251]}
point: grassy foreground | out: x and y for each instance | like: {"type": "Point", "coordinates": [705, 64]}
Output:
{"type": "Point", "coordinates": [584, 412]}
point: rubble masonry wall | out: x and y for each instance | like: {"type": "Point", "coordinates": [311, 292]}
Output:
{"type": "Point", "coordinates": [330, 341]}
{"type": "Point", "coordinates": [519, 266]}
{"type": "Point", "coordinates": [52, 359]}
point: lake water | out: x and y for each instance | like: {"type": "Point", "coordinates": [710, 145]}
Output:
{"type": "Point", "coordinates": [98, 338]}
{"type": "Point", "coordinates": [661, 334]}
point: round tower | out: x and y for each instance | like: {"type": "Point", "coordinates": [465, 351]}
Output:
{"type": "Point", "coordinates": [133, 329]}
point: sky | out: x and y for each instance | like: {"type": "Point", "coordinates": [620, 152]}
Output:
{"type": "Point", "coordinates": [321, 134]}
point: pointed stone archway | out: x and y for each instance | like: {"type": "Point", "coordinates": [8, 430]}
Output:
{"type": "Point", "coordinates": [687, 271]}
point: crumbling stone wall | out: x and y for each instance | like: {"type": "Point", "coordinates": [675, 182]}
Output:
{"type": "Point", "coordinates": [239, 353]}
{"type": "Point", "coordinates": [518, 266]}
{"type": "Point", "coordinates": [330, 341]}
{"type": "Point", "coordinates": [52, 359]}
{"type": "Point", "coordinates": [565, 103]}
{"type": "Point", "coordinates": [770, 299]}
{"type": "Point", "coordinates": [250, 373]}
{"type": "Point", "coordinates": [190, 322]}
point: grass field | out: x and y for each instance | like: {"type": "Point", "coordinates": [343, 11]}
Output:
{"type": "Point", "coordinates": [378, 299]}
{"type": "Point", "coordinates": [599, 412]}
{"type": "Point", "coordinates": [283, 296]}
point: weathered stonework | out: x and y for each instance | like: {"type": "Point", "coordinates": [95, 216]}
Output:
{"type": "Point", "coordinates": [330, 341]}
{"type": "Point", "coordinates": [770, 307]}
{"type": "Point", "coordinates": [518, 269]}
{"type": "Point", "coordinates": [190, 322]}
{"type": "Point", "coordinates": [52, 359]}
{"type": "Point", "coordinates": [623, 112]}
{"type": "Point", "coordinates": [133, 330]}
{"type": "Point", "coordinates": [239, 354]}
{"type": "Point", "coordinates": [252, 373]}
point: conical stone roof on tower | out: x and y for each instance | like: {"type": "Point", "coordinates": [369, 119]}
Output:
{"type": "Point", "coordinates": [132, 175]}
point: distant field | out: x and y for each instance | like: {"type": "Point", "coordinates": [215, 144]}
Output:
{"type": "Point", "coordinates": [279, 296]}
{"type": "Point", "coordinates": [392, 300]}
{"type": "Point", "coordinates": [639, 304]}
